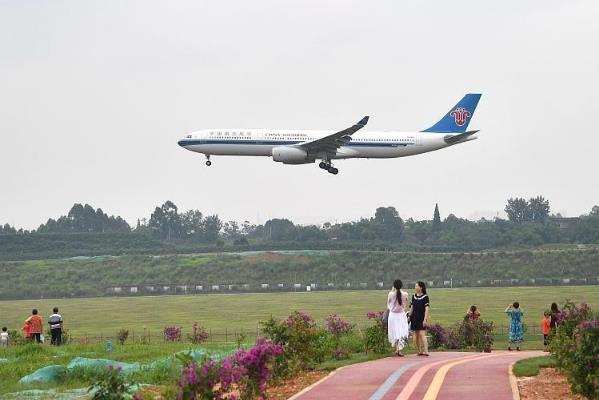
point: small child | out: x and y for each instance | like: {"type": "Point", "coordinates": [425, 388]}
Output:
{"type": "Point", "coordinates": [4, 337]}
{"type": "Point", "coordinates": [546, 327]}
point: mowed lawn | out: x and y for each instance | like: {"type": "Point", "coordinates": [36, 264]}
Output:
{"type": "Point", "coordinates": [242, 311]}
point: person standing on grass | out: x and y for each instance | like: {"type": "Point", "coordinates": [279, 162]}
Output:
{"type": "Point", "coordinates": [419, 311]}
{"type": "Point", "coordinates": [553, 314]}
{"type": "Point", "coordinates": [397, 326]}
{"type": "Point", "coordinates": [34, 323]}
{"type": "Point", "coordinates": [55, 322]}
{"type": "Point", "coordinates": [4, 337]}
{"type": "Point", "coordinates": [546, 328]}
{"type": "Point", "coordinates": [516, 334]}
{"type": "Point", "coordinates": [472, 314]}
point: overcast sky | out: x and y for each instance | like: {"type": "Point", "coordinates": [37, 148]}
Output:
{"type": "Point", "coordinates": [95, 94]}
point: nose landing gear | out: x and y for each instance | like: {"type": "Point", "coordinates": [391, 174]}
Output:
{"type": "Point", "coordinates": [329, 167]}
{"type": "Point", "coordinates": [208, 162]}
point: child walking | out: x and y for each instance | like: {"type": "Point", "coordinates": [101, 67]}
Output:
{"type": "Point", "coordinates": [546, 328]}
{"type": "Point", "coordinates": [4, 337]}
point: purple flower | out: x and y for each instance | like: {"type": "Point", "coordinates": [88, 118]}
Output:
{"type": "Point", "coordinates": [336, 326]}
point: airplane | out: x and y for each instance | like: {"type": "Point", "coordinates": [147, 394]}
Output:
{"type": "Point", "coordinates": [292, 146]}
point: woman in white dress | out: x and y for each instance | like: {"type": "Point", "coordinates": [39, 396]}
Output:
{"type": "Point", "coordinates": [397, 326]}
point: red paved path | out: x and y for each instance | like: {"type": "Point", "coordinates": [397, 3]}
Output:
{"type": "Point", "coordinates": [482, 376]}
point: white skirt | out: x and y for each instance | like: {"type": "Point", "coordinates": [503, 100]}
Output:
{"type": "Point", "coordinates": [397, 329]}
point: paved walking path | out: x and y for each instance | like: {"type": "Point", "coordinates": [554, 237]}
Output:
{"type": "Point", "coordinates": [442, 376]}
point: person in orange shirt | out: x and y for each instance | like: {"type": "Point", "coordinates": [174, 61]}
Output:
{"type": "Point", "coordinates": [546, 327]}
{"type": "Point", "coordinates": [34, 322]}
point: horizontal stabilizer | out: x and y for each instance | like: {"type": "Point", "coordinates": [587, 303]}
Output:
{"type": "Point", "coordinates": [462, 137]}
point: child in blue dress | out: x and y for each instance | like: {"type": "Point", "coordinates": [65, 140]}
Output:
{"type": "Point", "coordinates": [516, 334]}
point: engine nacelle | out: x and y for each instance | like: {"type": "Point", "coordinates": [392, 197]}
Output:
{"type": "Point", "coordinates": [291, 155]}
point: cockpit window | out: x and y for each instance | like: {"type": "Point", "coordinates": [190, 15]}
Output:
{"type": "Point", "coordinates": [188, 137]}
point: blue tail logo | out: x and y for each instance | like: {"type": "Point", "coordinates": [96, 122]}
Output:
{"type": "Point", "coordinates": [457, 119]}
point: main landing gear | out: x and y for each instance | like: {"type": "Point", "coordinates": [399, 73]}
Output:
{"type": "Point", "coordinates": [329, 167]}
{"type": "Point", "coordinates": [208, 162]}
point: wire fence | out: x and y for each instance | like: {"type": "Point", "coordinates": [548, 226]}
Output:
{"type": "Point", "coordinates": [232, 336]}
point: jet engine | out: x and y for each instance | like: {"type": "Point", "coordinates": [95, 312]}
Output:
{"type": "Point", "coordinates": [291, 155]}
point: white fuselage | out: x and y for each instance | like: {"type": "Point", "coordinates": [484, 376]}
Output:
{"type": "Point", "coordinates": [260, 142]}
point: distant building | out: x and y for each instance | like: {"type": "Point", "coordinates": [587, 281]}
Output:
{"type": "Point", "coordinates": [564, 222]}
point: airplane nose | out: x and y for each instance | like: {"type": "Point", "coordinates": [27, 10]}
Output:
{"type": "Point", "coordinates": [181, 143]}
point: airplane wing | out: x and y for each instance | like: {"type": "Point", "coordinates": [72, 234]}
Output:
{"type": "Point", "coordinates": [330, 144]}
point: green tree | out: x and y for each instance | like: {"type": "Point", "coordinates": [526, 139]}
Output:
{"type": "Point", "coordinates": [212, 226]}
{"type": "Point", "coordinates": [517, 210]}
{"type": "Point", "coordinates": [538, 209]}
{"type": "Point", "coordinates": [165, 221]}
{"type": "Point", "coordinates": [387, 224]}
{"type": "Point", "coordinates": [436, 216]}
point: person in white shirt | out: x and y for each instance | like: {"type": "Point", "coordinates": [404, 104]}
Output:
{"type": "Point", "coordinates": [4, 337]}
{"type": "Point", "coordinates": [397, 327]}
{"type": "Point", "coordinates": [55, 322]}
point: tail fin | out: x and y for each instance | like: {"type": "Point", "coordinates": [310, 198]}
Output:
{"type": "Point", "coordinates": [457, 119]}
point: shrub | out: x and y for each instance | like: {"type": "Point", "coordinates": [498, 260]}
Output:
{"type": "Point", "coordinates": [477, 335]}
{"type": "Point", "coordinates": [340, 354]}
{"type": "Point", "coordinates": [375, 336]}
{"type": "Point", "coordinates": [297, 334]}
{"type": "Point", "coordinates": [199, 334]}
{"type": "Point", "coordinates": [110, 385]}
{"type": "Point", "coordinates": [324, 346]}
{"type": "Point", "coordinates": [254, 369]}
{"type": "Point", "coordinates": [199, 381]}
{"type": "Point", "coordinates": [240, 340]}
{"type": "Point", "coordinates": [576, 348]}
{"type": "Point", "coordinates": [438, 336]}
{"type": "Point", "coordinates": [245, 372]}
{"type": "Point", "coordinates": [337, 326]}
{"type": "Point", "coordinates": [16, 338]}
{"type": "Point", "coordinates": [172, 333]}
{"type": "Point", "coordinates": [122, 335]}
{"type": "Point", "coordinates": [455, 340]}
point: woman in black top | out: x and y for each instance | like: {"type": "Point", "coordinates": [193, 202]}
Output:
{"type": "Point", "coordinates": [419, 309]}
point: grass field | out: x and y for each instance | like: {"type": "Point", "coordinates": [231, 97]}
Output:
{"type": "Point", "coordinates": [241, 312]}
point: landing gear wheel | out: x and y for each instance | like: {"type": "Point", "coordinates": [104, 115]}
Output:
{"type": "Point", "coordinates": [333, 170]}
{"type": "Point", "coordinates": [208, 163]}
{"type": "Point", "coordinates": [322, 165]}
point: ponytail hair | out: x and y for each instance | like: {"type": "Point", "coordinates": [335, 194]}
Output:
{"type": "Point", "coordinates": [422, 286]}
{"type": "Point", "coordinates": [398, 284]}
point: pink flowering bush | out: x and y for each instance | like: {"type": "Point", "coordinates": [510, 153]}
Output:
{"type": "Point", "coordinates": [199, 334]}
{"type": "Point", "coordinates": [243, 375]}
{"type": "Point", "coordinates": [172, 333]}
{"type": "Point", "coordinates": [438, 336]}
{"type": "Point", "coordinates": [337, 326]}
{"type": "Point", "coordinates": [254, 367]}
{"type": "Point", "coordinates": [298, 335]}
{"type": "Point", "coordinates": [375, 336]}
{"type": "Point", "coordinates": [576, 348]}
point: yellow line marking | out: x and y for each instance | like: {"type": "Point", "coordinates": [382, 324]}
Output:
{"type": "Point", "coordinates": [435, 386]}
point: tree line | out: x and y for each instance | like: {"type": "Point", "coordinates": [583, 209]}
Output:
{"type": "Point", "coordinates": [529, 223]}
